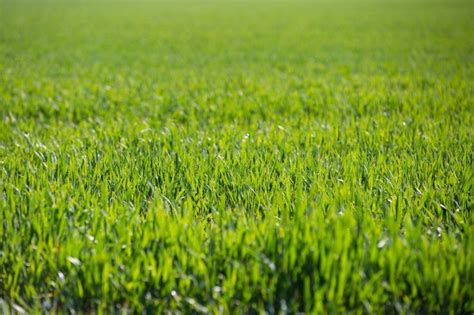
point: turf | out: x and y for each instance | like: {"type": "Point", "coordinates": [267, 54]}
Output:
{"type": "Point", "coordinates": [236, 157]}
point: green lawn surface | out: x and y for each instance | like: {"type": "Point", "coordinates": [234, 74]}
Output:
{"type": "Point", "coordinates": [236, 156]}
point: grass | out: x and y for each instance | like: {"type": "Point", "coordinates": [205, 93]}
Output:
{"type": "Point", "coordinates": [234, 157]}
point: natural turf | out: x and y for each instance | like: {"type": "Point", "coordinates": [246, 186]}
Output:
{"type": "Point", "coordinates": [237, 156]}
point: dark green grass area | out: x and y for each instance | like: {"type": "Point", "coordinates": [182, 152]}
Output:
{"type": "Point", "coordinates": [236, 157]}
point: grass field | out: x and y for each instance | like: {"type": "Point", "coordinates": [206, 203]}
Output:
{"type": "Point", "coordinates": [237, 157]}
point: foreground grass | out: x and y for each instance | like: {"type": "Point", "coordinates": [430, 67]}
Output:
{"type": "Point", "coordinates": [231, 157]}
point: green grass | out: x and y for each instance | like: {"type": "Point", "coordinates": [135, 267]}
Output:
{"type": "Point", "coordinates": [234, 157]}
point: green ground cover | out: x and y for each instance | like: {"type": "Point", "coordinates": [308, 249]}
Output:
{"type": "Point", "coordinates": [217, 157]}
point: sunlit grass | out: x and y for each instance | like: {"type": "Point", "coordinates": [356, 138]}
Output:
{"type": "Point", "coordinates": [236, 157]}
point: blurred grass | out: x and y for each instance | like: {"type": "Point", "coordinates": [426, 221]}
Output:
{"type": "Point", "coordinates": [236, 157]}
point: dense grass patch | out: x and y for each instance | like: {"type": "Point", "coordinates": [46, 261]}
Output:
{"type": "Point", "coordinates": [237, 157]}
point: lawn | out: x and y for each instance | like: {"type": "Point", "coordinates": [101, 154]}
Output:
{"type": "Point", "coordinates": [236, 156]}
